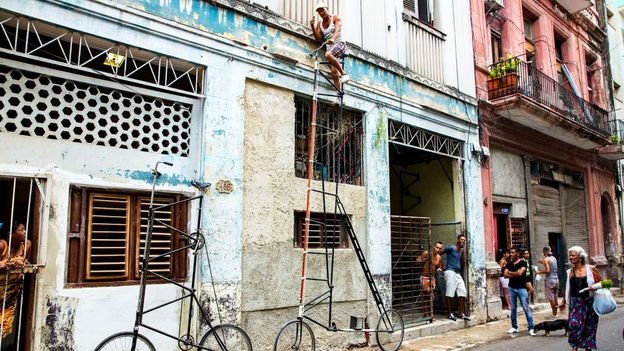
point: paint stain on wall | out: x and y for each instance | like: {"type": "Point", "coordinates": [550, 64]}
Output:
{"type": "Point", "coordinates": [58, 330]}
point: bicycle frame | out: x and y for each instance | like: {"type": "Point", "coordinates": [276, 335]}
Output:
{"type": "Point", "coordinates": [196, 241]}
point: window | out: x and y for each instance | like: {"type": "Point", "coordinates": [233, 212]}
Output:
{"type": "Point", "coordinates": [497, 47]}
{"type": "Point", "coordinates": [592, 67]}
{"type": "Point", "coordinates": [339, 148]}
{"type": "Point", "coordinates": [528, 20]}
{"type": "Point", "coordinates": [423, 9]}
{"type": "Point", "coordinates": [107, 232]}
{"type": "Point", "coordinates": [332, 234]}
{"type": "Point", "coordinates": [528, 29]}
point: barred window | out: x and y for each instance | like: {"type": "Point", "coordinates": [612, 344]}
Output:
{"type": "Point", "coordinates": [339, 146]}
{"type": "Point", "coordinates": [330, 231]}
{"type": "Point", "coordinates": [107, 235]}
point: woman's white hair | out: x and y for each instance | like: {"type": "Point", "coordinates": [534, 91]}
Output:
{"type": "Point", "coordinates": [579, 250]}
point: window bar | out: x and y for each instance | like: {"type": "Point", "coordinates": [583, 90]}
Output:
{"type": "Point", "coordinates": [26, 250]}
{"type": "Point", "coordinates": [6, 280]}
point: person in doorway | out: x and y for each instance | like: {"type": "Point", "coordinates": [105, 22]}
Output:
{"type": "Point", "coordinates": [329, 31]}
{"type": "Point", "coordinates": [526, 257]}
{"type": "Point", "coordinates": [551, 279]}
{"type": "Point", "coordinates": [455, 258]}
{"type": "Point", "coordinates": [582, 319]}
{"type": "Point", "coordinates": [516, 272]}
{"type": "Point", "coordinates": [430, 265]}
{"type": "Point", "coordinates": [504, 282]}
{"type": "Point", "coordinates": [14, 253]}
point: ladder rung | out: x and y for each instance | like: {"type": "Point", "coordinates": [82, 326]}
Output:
{"type": "Point", "coordinates": [323, 192]}
{"type": "Point", "coordinates": [317, 279]}
{"type": "Point", "coordinates": [327, 128]}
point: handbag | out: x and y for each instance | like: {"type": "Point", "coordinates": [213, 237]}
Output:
{"type": "Point", "coordinates": [604, 302]}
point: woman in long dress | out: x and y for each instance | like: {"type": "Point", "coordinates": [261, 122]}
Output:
{"type": "Point", "coordinates": [582, 320]}
{"type": "Point", "coordinates": [14, 253]}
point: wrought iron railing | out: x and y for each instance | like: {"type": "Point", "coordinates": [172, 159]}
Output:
{"type": "Point", "coordinates": [513, 76]}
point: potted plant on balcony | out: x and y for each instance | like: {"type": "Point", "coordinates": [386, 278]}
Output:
{"type": "Point", "coordinates": [503, 77]}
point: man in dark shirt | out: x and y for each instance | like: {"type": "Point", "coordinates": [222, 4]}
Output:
{"type": "Point", "coordinates": [453, 279]}
{"type": "Point", "coordinates": [516, 272]}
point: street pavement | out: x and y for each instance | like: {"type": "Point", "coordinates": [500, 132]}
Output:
{"type": "Point", "coordinates": [493, 336]}
{"type": "Point", "coordinates": [609, 338]}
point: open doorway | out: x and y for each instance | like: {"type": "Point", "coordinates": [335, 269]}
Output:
{"type": "Point", "coordinates": [20, 205]}
{"type": "Point", "coordinates": [425, 192]}
{"type": "Point", "coordinates": [555, 242]}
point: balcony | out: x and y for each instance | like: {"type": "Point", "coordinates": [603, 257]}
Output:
{"type": "Point", "coordinates": [424, 46]}
{"type": "Point", "coordinates": [615, 151]}
{"type": "Point", "coordinates": [531, 98]}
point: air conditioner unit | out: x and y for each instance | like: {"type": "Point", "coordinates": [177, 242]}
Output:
{"type": "Point", "coordinates": [493, 5]}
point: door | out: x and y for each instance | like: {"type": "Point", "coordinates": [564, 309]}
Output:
{"type": "Point", "coordinates": [556, 244]}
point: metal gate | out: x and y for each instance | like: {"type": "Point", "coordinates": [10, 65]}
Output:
{"type": "Point", "coordinates": [21, 202]}
{"type": "Point", "coordinates": [412, 292]}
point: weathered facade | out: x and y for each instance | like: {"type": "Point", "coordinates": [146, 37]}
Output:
{"type": "Point", "coordinates": [548, 179]}
{"type": "Point", "coordinates": [219, 89]}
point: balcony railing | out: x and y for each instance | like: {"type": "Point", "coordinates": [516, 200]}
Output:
{"type": "Point", "coordinates": [517, 77]}
{"type": "Point", "coordinates": [424, 46]}
{"type": "Point", "coordinates": [302, 10]}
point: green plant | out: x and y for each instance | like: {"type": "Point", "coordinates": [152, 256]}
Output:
{"type": "Point", "coordinates": [504, 66]}
{"type": "Point", "coordinates": [615, 139]}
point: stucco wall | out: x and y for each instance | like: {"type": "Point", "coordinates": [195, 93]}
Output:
{"type": "Point", "coordinates": [271, 265]}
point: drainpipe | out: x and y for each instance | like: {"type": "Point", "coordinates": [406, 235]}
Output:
{"type": "Point", "coordinates": [527, 190]}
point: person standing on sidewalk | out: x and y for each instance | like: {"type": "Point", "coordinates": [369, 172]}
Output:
{"type": "Point", "coordinates": [504, 282]}
{"type": "Point", "coordinates": [526, 256]}
{"type": "Point", "coordinates": [455, 259]}
{"type": "Point", "coordinates": [551, 279]}
{"type": "Point", "coordinates": [516, 272]}
{"type": "Point", "coordinates": [582, 319]}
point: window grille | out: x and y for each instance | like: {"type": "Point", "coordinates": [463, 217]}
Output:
{"type": "Point", "coordinates": [33, 104]}
{"type": "Point", "coordinates": [339, 148]}
{"type": "Point", "coordinates": [328, 232]}
{"type": "Point", "coordinates": [25, 38]}
{"type": "Point", "coordinates": [109, 245]}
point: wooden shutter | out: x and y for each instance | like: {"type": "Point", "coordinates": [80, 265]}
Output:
{"type": "Point", "coordinates": [575, 230]}
{"type": "Point", "coordinates": [162, 235]}
{"type": "Point", "coordinates": [316, 231]}
{"type": "Point", "coordinates": [517, 233]}
{"type": "Point", "coordinates": [107, 240]}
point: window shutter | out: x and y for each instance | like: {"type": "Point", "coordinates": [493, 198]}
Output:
{"type": "Point", "coordinates": [409, 5]}
{"type": "Point", "coordinates": [108, 232]}
{"type": "Point", "coordinates": [162, 235]}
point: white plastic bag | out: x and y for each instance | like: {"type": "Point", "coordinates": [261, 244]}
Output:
{"type": "Point", "coordinates": [604, 302]}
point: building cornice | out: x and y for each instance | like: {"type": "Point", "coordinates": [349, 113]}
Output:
{"type": "Point", "coordinates": [263, 15]}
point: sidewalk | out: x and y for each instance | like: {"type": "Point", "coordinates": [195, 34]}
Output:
{"type": "Point", "coordinates": [440, 335]}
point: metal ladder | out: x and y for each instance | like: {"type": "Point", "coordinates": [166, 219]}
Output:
{"type": "Point", "coordinates": [339, 210]}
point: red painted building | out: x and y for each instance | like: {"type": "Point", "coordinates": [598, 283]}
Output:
{"type": "Point", "coordinates": [542, 78]}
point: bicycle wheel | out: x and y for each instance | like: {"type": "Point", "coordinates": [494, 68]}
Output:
{"type": "Point", "coordinates": [295, 335]}
{"type": "Point", "coordinates": [123, 342]}
{"type": "Point", "coordinates": [390, 330]}
{"type": "Point", "coordinates": [225, 337]}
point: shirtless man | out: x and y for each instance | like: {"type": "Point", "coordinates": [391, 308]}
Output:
{"type": "Point", "coordinates": [429, 270]}
{"type": "Point", "coordinates": [329, 31]}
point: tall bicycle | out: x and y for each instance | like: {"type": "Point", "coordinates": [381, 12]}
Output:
{"type": "Point", "coordinates": [297, 334]}
{"type": "Point", "coordinates": [218, 337]}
